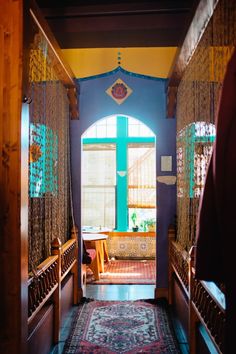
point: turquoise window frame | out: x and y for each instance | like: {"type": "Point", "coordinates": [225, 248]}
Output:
{"type": "Point", "coordinates": [122, 141]}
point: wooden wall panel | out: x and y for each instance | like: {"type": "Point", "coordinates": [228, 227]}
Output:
{"type": "Point", "coordinates": [40, 339]}
{"type": "Point", "coordinates": [66, 296]}
{"type": "Point", "coordinates": [181, 306]}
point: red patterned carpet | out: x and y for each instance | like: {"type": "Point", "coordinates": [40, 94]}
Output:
{"type": "Point", "coordinates": [116, 327]}
{"type": "Point", "coordinates": [126, 272]}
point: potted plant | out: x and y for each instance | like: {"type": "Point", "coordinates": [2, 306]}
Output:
{"type": "Point", "coordinates": [134, 219]}
{"type": "Point", "coordinates": [151, 224]}
{"type": "Point", "coordinates": [143, 225]}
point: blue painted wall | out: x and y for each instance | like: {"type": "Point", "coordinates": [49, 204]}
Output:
{"type": "Point", "coordinates": [148, 104]}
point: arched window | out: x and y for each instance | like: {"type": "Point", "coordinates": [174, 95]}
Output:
{"type": "Point", "coordinates": [118, 173]}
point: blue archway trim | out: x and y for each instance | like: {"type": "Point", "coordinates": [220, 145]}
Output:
{"type": "Point", "coordinates": [120, 69]}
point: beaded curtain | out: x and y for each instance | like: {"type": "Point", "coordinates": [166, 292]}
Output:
{"type": "Point", "coordinates": [49, 153]}
{"type": "Point", "coordinates": [197, 102]}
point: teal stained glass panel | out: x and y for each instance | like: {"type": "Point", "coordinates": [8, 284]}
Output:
{"type": "Point", "coordinates": [43, 162]}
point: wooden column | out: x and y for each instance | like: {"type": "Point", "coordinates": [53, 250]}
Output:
{"type": "Point", "coordinates": [193, 319]}
{"type": "Point", "coordinates": [56, 250]}
{"type": "Point", "coordinates": [74, 235]}
{"type": "Point", "coordinates": [13, 183]}
{"type": "Point", "coordinates": [81, 291]}
{"type": "Point", "coordinates": [171, 101]}
{"type": "Point", "coordinates": [73, 100]}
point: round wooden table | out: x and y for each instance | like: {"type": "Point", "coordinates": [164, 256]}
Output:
{"type": "Point", "coordinates": [98, 242]}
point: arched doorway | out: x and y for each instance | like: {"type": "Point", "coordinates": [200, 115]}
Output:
{"type": "Point", "coordinates": [119, 185]}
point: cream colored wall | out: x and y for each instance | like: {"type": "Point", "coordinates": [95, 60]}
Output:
{"type": "Point", "coordinates": [155, 62]}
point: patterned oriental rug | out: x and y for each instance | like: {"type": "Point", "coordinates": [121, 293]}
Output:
{"type": "Point", "coordinates": [126, 272]}
{"type": "Point", "coordinates": [129, 327]}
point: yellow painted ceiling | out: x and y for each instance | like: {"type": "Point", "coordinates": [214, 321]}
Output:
{"type": "Point", "coordinates": [155, 62]}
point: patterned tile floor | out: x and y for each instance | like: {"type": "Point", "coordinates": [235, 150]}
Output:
{"type": "Point", "coordinates": [119, 293]}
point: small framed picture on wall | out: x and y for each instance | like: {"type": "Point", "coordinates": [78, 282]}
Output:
{"type": "Point", "coordinates": [166, 163]}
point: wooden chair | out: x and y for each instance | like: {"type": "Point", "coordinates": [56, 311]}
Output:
{"type": "Point", "coordinates": [95, 264]}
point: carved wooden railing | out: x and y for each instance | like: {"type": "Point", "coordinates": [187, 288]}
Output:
{"type": "Point", "coordinates": [68, 257]}
{"type": "Point", "coordinates": [178, 264]}
{"type": "Point", "coordinates": [41, 285]}
{"type": "Point", "coordinates": [203, 305]}
{"type": "Point", "coordinates": [44, 283]}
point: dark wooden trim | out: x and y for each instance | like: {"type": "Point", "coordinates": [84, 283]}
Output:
{"type": "Point", "coordinates": [72, 95]}
{"type": "Point", "coordinates": [199, 23]}
{"type": "Point", "coordinates": [67, 75]}
{"type": "Point", "coordinates": [184, 54]}
{"type": "Point", "coordinates": [64, 71]}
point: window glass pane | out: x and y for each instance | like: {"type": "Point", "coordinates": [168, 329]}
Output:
{"type": "Point", "coordinates": [146, 131]}
{"type": "Point", "coordinates": [111, 131]}
{"type": "Point", "coordinates": [98, 206]}
{"type": "Point", "coordinates": [133, 130]}
{"type": "Point", "coordinates": [132, 121]}
{"type": "Point", "coordinates": [101, 122]}
{"type": "Point", "coordinates": [101, 131]}
{"type": "Point", "coordinates": [104, 128]}
{"type": "Point", "coordinates": [91, 132]}
{"type": "Point", "coordinates": [111, 120]}
{"type": "Point", "coordinates": [137, 128]}
{"type": "Point", "coordinates": [141, 176]}
{"type": "Point", "coordinates": [99, 185]}
{"type": "Point", "coordinates": [146, 219]}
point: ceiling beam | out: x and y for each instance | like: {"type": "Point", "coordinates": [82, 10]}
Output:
{"type": "Point", "coordinates": [87, 8]}
{"type": "Point", "coordinates": [109, 23]}
{"type": "Point", "coordinates": [121, 22]}
{"type": "Point", "coordinates": [119, 39]}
